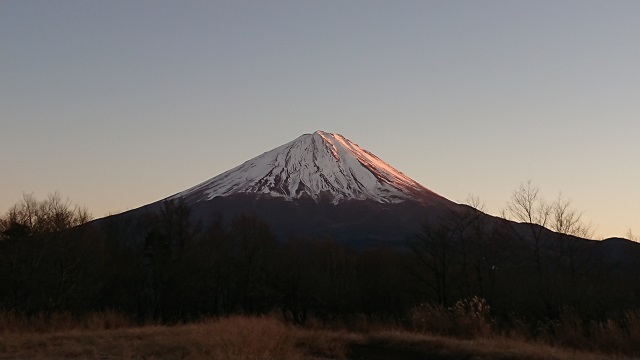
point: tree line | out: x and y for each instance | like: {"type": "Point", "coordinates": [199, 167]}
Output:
{"type": "Point", "coordinates": [163, 267]}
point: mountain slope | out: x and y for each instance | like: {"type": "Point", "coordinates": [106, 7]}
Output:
{"type": "Point", "coordinates": [318, 166]}
{"type": "Point", "coordinates": [319, 185]}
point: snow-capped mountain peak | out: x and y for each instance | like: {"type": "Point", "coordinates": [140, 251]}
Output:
{"type": "Point", "coordinates": [319, 165]}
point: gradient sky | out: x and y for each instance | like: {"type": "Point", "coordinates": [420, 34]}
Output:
{"type": "Point", "coordinates": [116, 104]}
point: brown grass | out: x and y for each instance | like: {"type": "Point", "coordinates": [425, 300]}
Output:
{"type": "Point", "coordinates": [10, 322]}
{"type": "Point", "coordinates": [470, 319]}
{"type": "Point", "coordinates": [110, 336]}
{"type": "Point", "coordinates": [235, 337]}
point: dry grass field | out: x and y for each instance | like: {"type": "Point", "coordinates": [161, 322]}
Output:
{"type": "Point", "coordinates": [111, 336]}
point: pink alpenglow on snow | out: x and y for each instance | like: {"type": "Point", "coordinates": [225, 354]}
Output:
{"type": "Point", "coordinates": [319, 165]}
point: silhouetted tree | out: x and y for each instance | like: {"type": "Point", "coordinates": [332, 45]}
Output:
{"type": "Point", "coordinates": [206, 269]}
{"type": "Point", "coordinates": [382, 282]}
{"type": "Point", "coordinates": [254, 249]}
{"type": "Point", "coordinates": [527, 205]}
{"type": "Point", "coordinates": [162, 260]}
{"type": "Point", "coordinates": [41, 263]}
{"type": "Point", "coordinates": [433, 250]}
{"type": "Point", "coordinates": [295, 279]}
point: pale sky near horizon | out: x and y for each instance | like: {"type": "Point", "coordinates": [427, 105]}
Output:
{"type": "Point", "coordinates": [116, 104]}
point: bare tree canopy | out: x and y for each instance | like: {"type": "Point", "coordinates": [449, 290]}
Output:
{"type": "Point", "coordinates": [567, 220]}
{"type": "Point", "coordinates": [31, 216]}
{"type": "Point", "coordinates": [527, 205]}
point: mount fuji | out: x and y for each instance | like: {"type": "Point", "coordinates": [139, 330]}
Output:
{"type": "Point", "coordinates": [321, 166]}
{"type": "Point", "coordinates": [322, 185]}
{"type": "Point", "coordinates": [318, 185]}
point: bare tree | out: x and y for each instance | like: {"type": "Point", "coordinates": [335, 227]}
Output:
{"type": "Point", "coordinates": [433, 251]}
{"type": "Point", "coordinates": [43, 217]}
{"type": "Point", "coordinates": [557, 253]}
{"type": "Point", "coordinates": [255, 247]}
{"type": "Point", "coordinates": [40, 263]}
{"type": "Point", "coordinates": [474, 243]}
{"type": "Point", "coordinates": [567, 220]}
{"type": "Point", "coordinates": [23, 215]}
{"type": "Point", "coordinates": [527, 206]}
{"type": "Point", "coordinates": [475, 202]}
{"type": "Point", "coordinates": [569, 227]}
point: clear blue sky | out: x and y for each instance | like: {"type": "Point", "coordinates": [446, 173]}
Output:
{"type": "Point", "coordinates": [116, 104]}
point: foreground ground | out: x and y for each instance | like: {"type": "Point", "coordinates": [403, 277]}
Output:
{"type": "Point", "coordinates": [240, 337]}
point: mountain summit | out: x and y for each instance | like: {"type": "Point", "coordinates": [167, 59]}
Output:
{"type": "Point", "coordinates": [319, 166]}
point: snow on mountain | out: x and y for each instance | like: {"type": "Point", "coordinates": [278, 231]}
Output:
{"type": "Point", "coordinates": [319, 165]}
